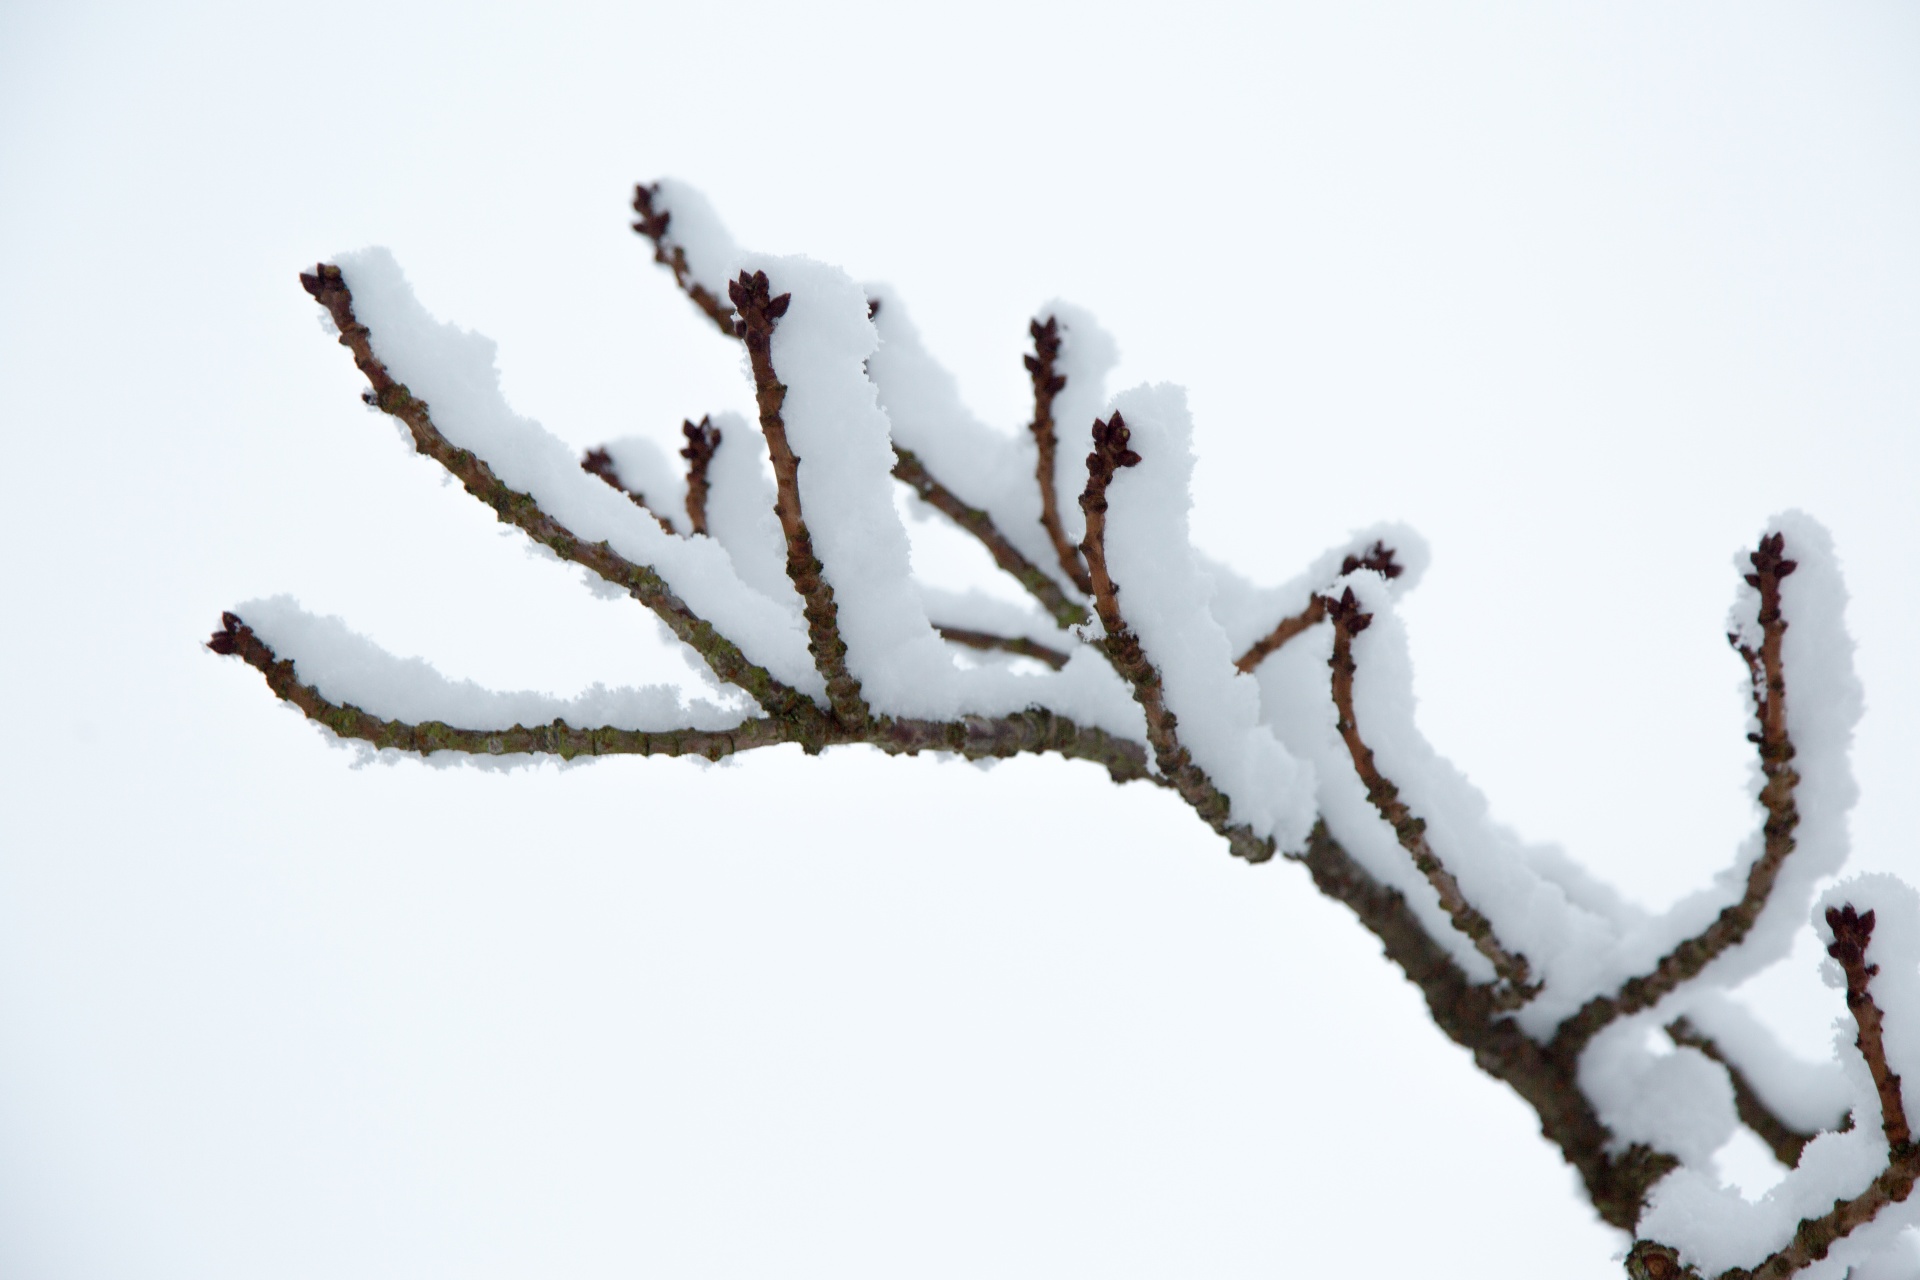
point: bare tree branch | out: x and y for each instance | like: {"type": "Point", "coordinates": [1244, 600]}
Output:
{"type": "Point", "coordinates": [1046, 385]}
{"type": "Point", "coordinates": [722, 656]}
{"type": "Point", "coordinates": [760, 312]}
{"type": "Point", "coordinates": [598, 462]}
{"type": "Point", "coordinates": [1123, 650]}
{"type": "Point", "coordinates": [1031, 732]}
{"type": "Point", "coordinates": [1783, 1139]}
{"type": "Point", "coordinates": [909, 470]}
{"type": "Point", "coordinates": [653, 223]}
{"type": "Point", "coordinates": [1686, 960]}
{"type": "Point", "coordinates": [1378, 558]}
{"type": "Point", "coordinates": [987, 640]}
{"type": "Point", "coordinates": [1516, 987]}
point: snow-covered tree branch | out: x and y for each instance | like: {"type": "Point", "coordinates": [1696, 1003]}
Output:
{"type": "Point", "coordinates": [1282, 716]}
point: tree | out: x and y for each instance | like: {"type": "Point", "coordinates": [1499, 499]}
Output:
{"type": "Point", "coordinates": [780, 561]}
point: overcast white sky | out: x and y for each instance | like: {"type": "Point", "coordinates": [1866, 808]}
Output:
{"type": "Point", "coordinates": [1584, 292]}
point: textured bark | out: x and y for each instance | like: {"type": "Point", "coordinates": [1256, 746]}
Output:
{"type": "Point", "coordinates": [1123, 650]}
{"type": "Point", "coordinates": [1515, 987]}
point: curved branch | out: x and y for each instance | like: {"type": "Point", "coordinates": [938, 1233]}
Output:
{"type": "Point", "coordinates": [1783, 1139]}
{"type": "Point", "coordinates": [1690, 957]}
{"type": "Point", "coordinates": [512, 507]}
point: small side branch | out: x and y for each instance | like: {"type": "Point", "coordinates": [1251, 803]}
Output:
{"type": "Point", "coordinates": [1814, 1238]}
{"type": "Point", "coordinates": [1515, 987]}
{"type": "Point", "coordinates": [1378, 557]}
{"type": "Point", "coordinates": [1124, 651]}
{"type": "Point", "coordinates": [1783, 1139]}
{"type": "Point", "coordinates": [703, 438]}
{"type": "Point", "coordinates": [760, 312]}
{"type": "Point", "coordinates": [653, 223]}
{"type": "Point", "coordinates": [1689, 958]}
{"type": "Point", "coordinates": [989, 642]}
{"type": "Point", "coordinates": [1031, 732]}
{"type": "Point", "coordinates": [598, 462]}
{"type": "Point", "coordinates": [910, 471]}
{"type": "Point", "coordinates": [560, 739]}
{"type": "Point", "coordinates": [1046, 385]}
{"type": "Point", "coordinates": [1851, 934]}
{"type": "Point", "coordinates": [512, 507]}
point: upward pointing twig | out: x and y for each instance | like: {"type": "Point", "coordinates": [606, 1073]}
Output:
{"type": "Point", "coordinates": [1046, 385]}
{"type": "Point", "coordinates": [759, 313]}
{"type": "Point", "coordinates": [1124, 651]}
{"type": "Point", "coordinates": [1851, 934]}
{"type": "Point", "coordinates": [1349, 620]}
{"type": "Point", "coordinates": [1685, 961]}
{"type": "Point", "coordinates": [1814, 1238]}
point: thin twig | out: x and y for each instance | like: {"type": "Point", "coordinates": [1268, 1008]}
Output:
{"type": "Point", "coordinates": [760, 312]}
{"type": "Point", "coordinates": [1783, 1139]}
{"type": "Point", "coordinates": [1046, 385]}
{"type": "Point", "coordinates": [653, 224]}
{"type": "Point", "coordinates": [1378, 557]}
{"type": "Point", "coordinates": [1124, 651]}
{"type": "Point", "coordinates": [598, 462]}
{"type": "Point", "coordinates": [1515, 988]}
{"type": "Point", "coordinates": [1686, 960]}
{"type": "Point", "coordinates": [988, 641]}
{"type": "Point", "coordinates": [910, 471]}
{"type": "Point", "coordinates": [1031, 732]}
{"type": "Point", "coordinates": [512, 507]}
{"type": "Point", "coordinates": [703, 439]}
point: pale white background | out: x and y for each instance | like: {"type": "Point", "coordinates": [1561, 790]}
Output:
{"type": "Point", "coordinates": [1583, 291]}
